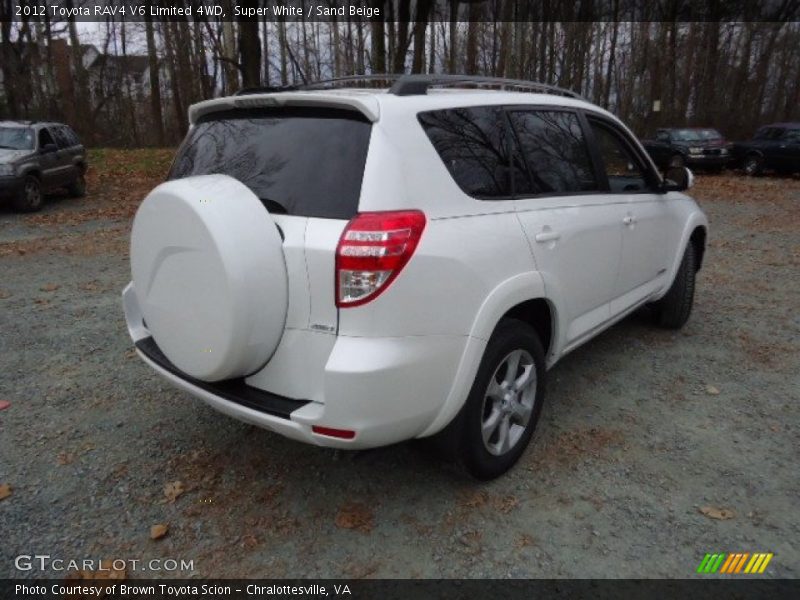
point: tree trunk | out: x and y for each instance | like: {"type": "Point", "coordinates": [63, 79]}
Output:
{"type": "Point", "coordinates": [249, 53]}
{"type": "Point", "coordinates": [155, 82]}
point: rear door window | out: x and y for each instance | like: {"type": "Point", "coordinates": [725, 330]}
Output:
{"type": "Point", "coordinates": [474, 145]}
{"type": "Point", "coordinates": [555, 151]}
{"type": "Point", "coordinates": [299, 161]}
{"type": "Point", "coordinates": [62, 139]}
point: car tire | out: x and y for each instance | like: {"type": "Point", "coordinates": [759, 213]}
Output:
{"type": "Point", "coordinates": [673, 310]}
{"type": "Point", "coordinates": [77, 189]}
{"type": "Point", "coordinates": [30, 197]}
{"type": "Point", "coordinates": [502, 410]}
{"type": "Point", "coordinates": [753, 165]}
{"type": "Point", "coordinates": [676, 161]}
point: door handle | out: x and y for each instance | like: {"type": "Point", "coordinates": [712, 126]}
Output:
{"type": "Point", "coordinates": [629, 220]}
{"type": "Point", "coordinates": [547, 236]}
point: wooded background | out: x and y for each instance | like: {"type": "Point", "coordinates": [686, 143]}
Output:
{"type": "Point", "coordinates": [133, 84]}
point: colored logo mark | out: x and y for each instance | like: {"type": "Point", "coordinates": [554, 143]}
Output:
{"type": "Point", "coordinates": [735, 563]}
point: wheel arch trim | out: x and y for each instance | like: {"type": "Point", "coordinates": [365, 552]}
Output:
{"type": "Point", "coordinates": [507, 295]}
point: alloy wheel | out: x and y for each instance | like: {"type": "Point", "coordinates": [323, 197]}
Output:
{"type": "Point", "coordinates": [508, 402]}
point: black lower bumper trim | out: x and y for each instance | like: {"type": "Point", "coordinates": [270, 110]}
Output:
{"type": "Point", "coordinates": [234, 390]}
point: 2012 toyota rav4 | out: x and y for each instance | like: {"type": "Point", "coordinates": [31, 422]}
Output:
{"type": "Point", "coordinates": [354, 267]}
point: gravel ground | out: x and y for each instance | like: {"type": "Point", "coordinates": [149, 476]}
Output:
{"type": "Point", "coordinates": [643, 430]}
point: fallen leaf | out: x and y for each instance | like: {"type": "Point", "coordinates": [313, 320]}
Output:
{"type": "Point", "coordinates": [5, 491]}
{"type": "Point", "coordinates": [4, 404]}
{"type": "Point", "coordinates": [65, 458]}
{"type": "Point", "coordinates": [50, 287]}
{"type": "Point", "coordinates": [506, 504]}
{"type": "Point", "coordinates": [712, 391]}
{"type": "Point", "coordinates": [172, 490]}
{"type": "Point", "coordinates": [158, 531]}
{"type": "Point", "coordinates": [355, 515]}
{"type": "Point", "coordinates": [721, 514]}
{"type": "Point", "coordinates": [4, 294]}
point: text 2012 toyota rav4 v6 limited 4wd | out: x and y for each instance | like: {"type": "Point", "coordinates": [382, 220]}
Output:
{"type": "Point", "coordinates": [357, 267]}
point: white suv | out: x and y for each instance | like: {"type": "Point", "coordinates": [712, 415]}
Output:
{"type": "Point", "coordinates": [356, 267]}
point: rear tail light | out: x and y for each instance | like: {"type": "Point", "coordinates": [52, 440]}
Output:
{"type": "Point", "coordinates": [372, 251]}
{"type": "Point", "coordinates": [345, 434]}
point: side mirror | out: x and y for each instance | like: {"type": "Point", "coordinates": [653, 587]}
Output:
{"type": "Point", "coordinates": [677, 179]}
{"type": "Point", "coordinates": [48, 148]}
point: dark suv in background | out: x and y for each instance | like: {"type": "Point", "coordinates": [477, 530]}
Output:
{"type": "Point", "coordinates": [775, 147]}
{"type": "Point", "coordinates": [699, 147]}
{"type": "Point", "coordinates": [36, 158]}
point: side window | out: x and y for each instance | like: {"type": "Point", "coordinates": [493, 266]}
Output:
{"type": "Point", "coordinates": [555, 151]}
{"type": "Point", "coordinates": [45, 138]}
{"type": "Point", "coordinates": [662, 136]}
{"type": "Point", "coordinates": [792, 136]}
{"type": "Point", "coordinates": [624, 170]}
{"type": "Point", "coordinates": [73, 137]}
{"type": "Point", "coordinates": [474, 146]}
{"type": "Point", "coordinates": [61, 137]}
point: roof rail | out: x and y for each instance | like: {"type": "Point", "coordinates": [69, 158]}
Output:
{"type": "Point", "coordinates": [316, 85]}
{"type": "Point", "coordinates": [416, 85]}
{"type": "Point", "coordinates": [267, 89]}
{"type": "Point", "coordinates": [326, 83]}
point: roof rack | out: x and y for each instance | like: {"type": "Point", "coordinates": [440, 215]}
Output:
{"type": "Point", "coordinates": [317, 85]}
{"type": "Point", "coordinates": [419, 84]}
{"type": "Point", "coordinates": [415, 85]}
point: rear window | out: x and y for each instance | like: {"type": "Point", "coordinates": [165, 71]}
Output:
{"type": "Point", "coordinates": [299, 161]}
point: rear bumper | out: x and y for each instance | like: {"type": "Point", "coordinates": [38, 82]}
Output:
{"type": "Point", "coordinates": [386, 390]}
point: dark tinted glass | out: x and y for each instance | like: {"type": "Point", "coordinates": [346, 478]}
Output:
{"type": "Point", "coordinates": [792, 135]}
{"type": "Point", "coordinates": [301, 161]}
{"type": "Point", "coordinates": [45, 138]}
{"type": "Point", "coordinates": [473, 144]}
{"type": "Point", "coordinates": [72, 136]}
{"type": "Point", "coordinates": [62, 139]}
{"type": "Point", "coordinates": [556, 153]}
{"type": "Point", "coordinates": [625, 171]}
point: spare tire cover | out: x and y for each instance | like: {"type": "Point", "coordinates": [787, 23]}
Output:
{"type": "Point", "coordinates": [210, 277]}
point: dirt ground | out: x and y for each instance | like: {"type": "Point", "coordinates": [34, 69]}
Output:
{"type": "Point", "coordinates": [654, 447]}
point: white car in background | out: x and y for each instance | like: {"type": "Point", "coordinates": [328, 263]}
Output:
{"type": "Point", "coordinates": [356, 267]}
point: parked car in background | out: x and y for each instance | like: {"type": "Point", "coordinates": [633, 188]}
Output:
{"type": "Point", "coordinates": [773, 147]}
{"type": "Point", "coordinates": [36, 158]}
{"type": "Point", "coordinates": [699, 147]}
{"type": "Point", "coordinates": [449, 248]}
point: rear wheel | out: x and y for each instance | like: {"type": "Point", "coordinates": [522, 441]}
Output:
{"type": "Point", "coordinates": [505, 402]}
{"type": "Point", "coordinates": [77, 189]}
{"type": "Point", "coordinates": [753, 165]}
{"type": "Point", "coordinates": [673, 310]}
{"type": "Point", "coordinates": [30, 197]}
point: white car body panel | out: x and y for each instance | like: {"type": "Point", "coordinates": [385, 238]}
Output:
{"type": "Point", "coordinates": [402, 365]}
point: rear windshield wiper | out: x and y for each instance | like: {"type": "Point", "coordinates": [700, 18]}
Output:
{"type": "Point", "coordinates": [274, 206]}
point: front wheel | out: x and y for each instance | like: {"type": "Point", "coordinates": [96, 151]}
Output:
{"type": "Point", "coordinates": [673, 310]}
{"type": "Point", "coordinates": [753, 165]}
{"type": "Point", "coordinates": [77, 189]}
{"type": "Point", "coordinates": [505, 402]}
{"type": "Point", "coordinates": [30, 197]}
